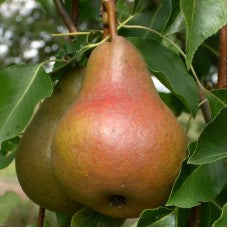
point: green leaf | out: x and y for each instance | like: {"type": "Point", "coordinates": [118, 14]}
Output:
{"type": "Point", "coordinates": [162, 15]}
{"type": "Point", "coordinates": [221, 94]}
{"type": "Point", "coordinates": [176, 26]}
{"type": "Point", "coordinates": [173, 103]}
{"type": "Point", "coordinates": [138, 6]}
{"type": "Point", "coordinates": [222, 221]}
{"type": "Point", "coordinates": [203, 19]}
{"type": "Point", "coordinates": [176, 20]}
{"type": "Point", "coordinates": [201, 65]}
{"type": "Point", "coordinates": [91, 218]}
{"type": "Point", "coordinates": [8, 202]}
{"type": "Point", "coordinates": [159, 217]}
{"type": "Point", "coordinates": [208, 214]}
{"type": "Point", "coordinates": [212, 143]}
{"type": "Point", "coordinates": [63, 219]}
{"type": "Point", "coordinates": [21, 88]}
{"type": "Point", "coordinates": [197, 184]}
{"type": "Point", "coordinates": [216, 104]}
{"type": "Point", "coordinates": [168, 67]}
{"type": "Point", "coordinates": [182, 216]}
{"type": "Point", "coordinates": [6, 160]}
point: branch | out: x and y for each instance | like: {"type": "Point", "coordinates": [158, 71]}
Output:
{"type": "Point", "coordinates": [194, 217]}
{"type": "Point", "coordinates": [41, 216]}
{"type": "Point", "coordinates": [74, 12]}
{"type": "Point", "coordinates": [110, 18]}
{"type": "Point", "coordinates": [66, 18]}
{"type": "Point", "coordinates": [222, 75]}
{"type": "Point", "coordinates": [205, 108]}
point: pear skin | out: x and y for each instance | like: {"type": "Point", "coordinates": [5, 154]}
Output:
{"type": "Point", "coordinates": [119, 148]}
{"type": "Point", "coordinates": [33, 155]}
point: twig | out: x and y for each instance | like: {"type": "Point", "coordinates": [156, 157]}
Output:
{"type": "Point", "coordinates": [66, 18]}
{"type": "Point", "coordinates": [74, 12]}
{"type": "Point", "coordinates": [222, 75]}
{"type": "Point", "coordinates": [205, 108]}
{"type": "Point", "coordinates": [110, 8]}
{"type": "Point", "coordinates": [41, 216]}
{"type": "Point", "coordinates": [194, 217]}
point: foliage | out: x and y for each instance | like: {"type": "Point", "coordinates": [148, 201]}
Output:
{"type": "Point", "coordinates": [171, 27]}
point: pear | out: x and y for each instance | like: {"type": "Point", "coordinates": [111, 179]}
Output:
{"type": "Point", "coordinates": [119, 148]}
{"type": "Point", "coordinates": [33, 155]}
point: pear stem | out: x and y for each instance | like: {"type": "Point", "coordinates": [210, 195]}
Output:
{"type": "Point", "coordinates": [41, 216]}
{"type": "Point", "coordinates": [222, 75]}
{"type": "Point", "coordinates": [109, 7]}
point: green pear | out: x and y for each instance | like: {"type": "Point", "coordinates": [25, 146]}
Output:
{"type": "Point", "coordinates": [119, 148]}
{"type": "Point", "coordinates": [33, 155]}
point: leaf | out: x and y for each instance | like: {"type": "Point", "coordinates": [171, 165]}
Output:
{"type": "Point", "coordinates": [201, 65]}
{"type": "Point", "coordinates": [197, 184]}
{"type": "Point", "coordinates": [182, 216]}
{"type": "Point", "coordinates": [162, 15]}
{"type": "Point", "coordinates": [168, 67]}
{"type": "Point", "coordinates": [8, 202]}
{"type": "Point", "coordinates": [176, 20]}
{"type": "Point", "coordinates": [216, 104]}
{"type": "Point", "coordinates": [208, 214]}
{"type": "Point", "coordinates": [212, 143]}
{"type": "Point", "coordinates": [176, 26]}
{"type": "Point", "coordinates": [173, 103]}
{"type": "Point", "coordinates": [6, 160]}
{"type": "Point", "coordinates": [203, 19]}
{"type": "Point", "coordinates": [63, 219]}
{"type": "Point", "coordinates": [21, 88]}
{"type": "Point", "coordinates": [222, 221]}
{"type": "Point", "coordinates": [221, 94]}
{"type": "Point", "coordinates": [91, 218]}
{"type": "Point", "coordinates": [138, 6]}
{"type": "Point", "coordinates": [159, 217]}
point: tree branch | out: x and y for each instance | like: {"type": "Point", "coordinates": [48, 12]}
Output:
{"type": "Point", "coordinates": [74, 12]}
{"type": "Point", "coordinates": [222, 75]}
{"type": "Point", "coordinates": [110, 9]}
{"type": "Point", "coordinates": [66, 18]}
{"type": "Point", "coordinates": [205, 108]}
{"type": "Point", "coordinates": [194, 217]}
{"type": "Point", "coordinates": [41, 216]}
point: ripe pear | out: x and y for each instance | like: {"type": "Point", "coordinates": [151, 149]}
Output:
{"type": "Point", "coordinates": [119, 148]}
{"type": "Point", "coordinates": [33, 155]}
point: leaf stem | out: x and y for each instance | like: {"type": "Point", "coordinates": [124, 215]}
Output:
{"type": "Point", "coordinates": [71, 34]}
{"type": "Point", "coordinates": [217, 205]}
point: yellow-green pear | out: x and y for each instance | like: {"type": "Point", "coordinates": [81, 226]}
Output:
{"type": "Point", "coordinates": [33, 155]}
